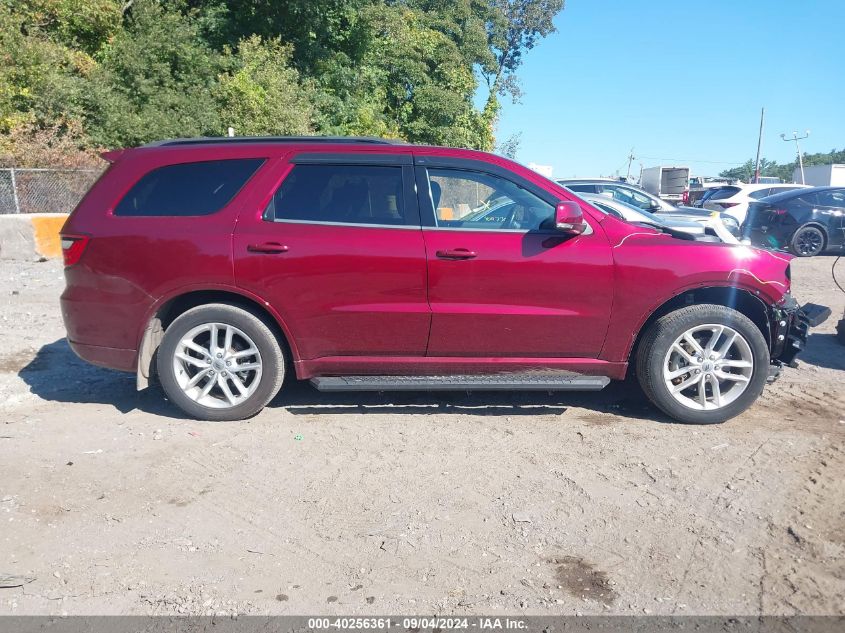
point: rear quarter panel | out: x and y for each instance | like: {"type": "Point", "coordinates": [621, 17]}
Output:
{"type": "Point", "coordinates": [132, 261]}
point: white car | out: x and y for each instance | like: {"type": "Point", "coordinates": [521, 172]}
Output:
{"type": "Point", "coordinates": [695, 221]}
{"type": "Point", "coordinates": [697, 226]}
{"type": "Point", "coordinates": [734, 199]}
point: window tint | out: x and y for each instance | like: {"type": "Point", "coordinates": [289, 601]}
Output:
{"type": "Point", "coordinates": [762, 193]}
{"type": "Point", "coordinates": [723, 192]}
{"type": "Point", "coordinates": [477, 200]}
{"type": "Point", "coordinates": [834, 198]}
{"type": "Point", "coordinates": [607, 209]}
{"type": "Point", "coordinates": [582, 188]}
{"type": "Point", "coordinates": [706, 196]}
{"type": "Point", "coordinates": [188, 189]}
{"type": "Point", "coordinates": [629, 196]}
{"type": "Point", "coordinates": [811, 199]}
{"type": "Point", "coordinates": [348, 194]}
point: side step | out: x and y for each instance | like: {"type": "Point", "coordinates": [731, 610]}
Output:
{"type": "Point", "coordinates": [504, 382]}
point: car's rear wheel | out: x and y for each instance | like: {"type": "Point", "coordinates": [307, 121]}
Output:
{"type": "Point", "coordinates": [807, 241]}
{"type": "Point", "coordinates": [703, 364]}
{"type": "Point", "coordinates": [220, 362]}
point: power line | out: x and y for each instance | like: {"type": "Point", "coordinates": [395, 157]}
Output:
{"type": "Point", "coordinates": [693, 160]}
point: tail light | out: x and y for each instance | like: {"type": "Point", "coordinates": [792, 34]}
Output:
{"type": "Point", "coordinates": [685, 197]}
{"type": "Point", "coordinates": [727, 205]}
{"type": "Point", "coordinates": [778, 211]}
{"type": "Point", "coordinates": [72, 248]}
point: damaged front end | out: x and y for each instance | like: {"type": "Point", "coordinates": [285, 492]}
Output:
{"type": "Point", "coordinates": [790, 324]}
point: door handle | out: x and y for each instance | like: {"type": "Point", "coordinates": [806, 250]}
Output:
{"type": "Point", "coordinates": [457, 253]}
{"type": "Point", "coordinates": [267, 247]}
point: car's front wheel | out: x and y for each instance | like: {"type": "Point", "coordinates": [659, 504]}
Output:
{"type": "Point", "coordinates": [220, 362]}
{"type": "Point", "coordinates": [703, 364]}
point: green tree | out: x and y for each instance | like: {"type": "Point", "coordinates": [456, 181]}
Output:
{"type": "Point", "coordinates": [261, 93]}
{"type": "Point", "coordinates": [156, 80]}
{"type": "Point", "coordinates": [785, 172]}
{"type": "Point", "coordinates": [515, 27]}
{"type": "Point", "coordinates": [41, 81]}
{"type": "Point", "coordinates": [123, 72]}
{"type": "Point", "coordinates": [84, 25]}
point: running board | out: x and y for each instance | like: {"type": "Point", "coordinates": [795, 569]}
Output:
{"type": "Point", "coordinates": [504, 382]}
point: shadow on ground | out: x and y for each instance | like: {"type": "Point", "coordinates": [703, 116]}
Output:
{"type": "Point", "coordinates": [824, 350]}
{"type": "Point", "coordinates": [619, 398]}
{"type": "Point", "coordinates": [56, 374]}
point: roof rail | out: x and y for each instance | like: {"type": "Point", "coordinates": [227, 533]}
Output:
{"type": "Point", "coordinates": [208, 140]}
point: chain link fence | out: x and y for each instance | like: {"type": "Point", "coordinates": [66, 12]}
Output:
{"type": "Point", "coordinates": [43, 190]}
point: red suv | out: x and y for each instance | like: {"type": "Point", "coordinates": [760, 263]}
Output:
{"type": "Point", "coordinates": [223, 265]}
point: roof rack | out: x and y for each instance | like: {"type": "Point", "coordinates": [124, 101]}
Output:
{"type": "Point", "coordinates": [208, 140]}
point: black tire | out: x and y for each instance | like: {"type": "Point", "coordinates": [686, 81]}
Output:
{"type": "Point", "coordinates": [657, 340]}
{"type": "Point", "coordinates": [807, 241]}
{"type": "Point", "coordinates": [271, 355]}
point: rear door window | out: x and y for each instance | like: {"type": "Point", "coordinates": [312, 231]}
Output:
{"type": "Point", "coordinates": [723, 192]}
{"type": "Point", "coordinates": [340, 194]}
{"type": "Point", "coordinates": [833, 198]}
{"type": "Point", "coordinates": [188, 189]}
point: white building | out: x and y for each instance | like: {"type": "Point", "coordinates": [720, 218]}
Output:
{"type": "Point", "coordinates": [821, 175]}
{"type": "Point", "coordinates": [546, 170]}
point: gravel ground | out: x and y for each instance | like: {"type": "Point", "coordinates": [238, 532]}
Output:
{"type": "Point", "coordinates": [112, 503]}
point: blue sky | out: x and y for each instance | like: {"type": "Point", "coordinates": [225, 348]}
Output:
{"type": "Point", "coordinates": [682, 80]}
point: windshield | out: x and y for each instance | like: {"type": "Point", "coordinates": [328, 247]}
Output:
{"type": "Point", "coordinates": [635, 198]}
{"type": "Point", "coordinates": [624, 211]}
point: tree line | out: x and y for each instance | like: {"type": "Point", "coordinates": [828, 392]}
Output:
{"type": "Point", "coordinates": [81, 75]}
{"type": "Point", "coordinates": [784, 171]}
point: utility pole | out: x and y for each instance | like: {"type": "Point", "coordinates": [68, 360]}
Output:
{"type": "Point", "coordinates": [759, 145]}
{"type": "Point", "coordinates": [630, 158]}
{"type": "Point", "coordinates": [797, 138]}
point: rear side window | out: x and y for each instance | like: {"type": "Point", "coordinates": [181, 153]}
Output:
{"type": "Point", "coordinates": [343, 194]}
{"type": "Point", "coordinates": [832, 198]}
{"type": "Point", "coordinates": [188, 189]}
{"type": "Point", "coordinates": [760, 193]}
{"type": "Point", "coordinates": [723, 192]}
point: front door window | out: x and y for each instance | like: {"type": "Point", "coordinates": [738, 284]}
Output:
{"type": "Point", "coordinates": [484, 202]}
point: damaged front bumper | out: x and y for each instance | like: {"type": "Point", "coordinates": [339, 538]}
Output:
{"type": "Point", "coordinates": [790, 325]}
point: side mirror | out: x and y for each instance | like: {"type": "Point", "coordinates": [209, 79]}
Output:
{"type": "Point", "coordinates": [569, 218]}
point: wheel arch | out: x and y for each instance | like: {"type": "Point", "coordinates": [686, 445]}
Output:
{"type": "Point", "coordinates": [166, 311]}
{"type": "Point", "coordinates": [743, 301]}
{"type": "Point", "coordinates": [818, 224]}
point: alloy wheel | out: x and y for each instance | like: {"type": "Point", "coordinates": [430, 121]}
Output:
{"type": "Point", "coordinates": [217, 365]}
{"type": "Point", "coordinates": [708, 367]}
{"type": "Point", "coordinates": [809, 242]}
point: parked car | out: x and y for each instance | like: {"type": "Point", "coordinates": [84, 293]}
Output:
{"type": "Point", "coordinates": [805, 221]}
{"type": "Point", "coordinates": [221, 266]}
{"type": "Point", "coordinates": [622, 191]}
{"type": "Point", "coordinates": [734, 199]}
{"type": "Point", "coordinates": [641, 199]}
{"type": "Point", "coordinates": [700, 185]}
{"type": "Point", "coordinates": [632, 214]}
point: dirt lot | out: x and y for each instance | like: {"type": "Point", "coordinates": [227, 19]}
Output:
{"type": "Point", "coordinates": [406, 503]}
